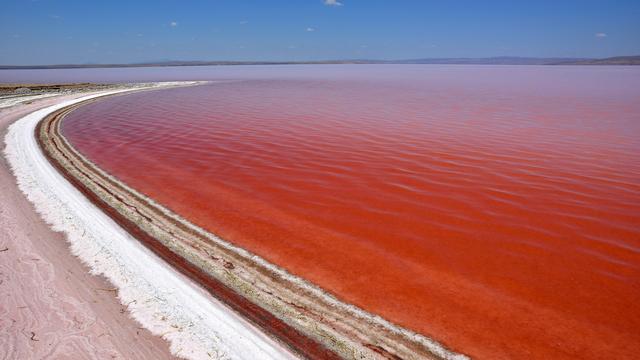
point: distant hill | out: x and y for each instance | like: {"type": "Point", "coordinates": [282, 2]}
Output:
{"type": "Point", "coordinates": [617, 60]}
{"type": "Point", "coordinates": [501, 60]}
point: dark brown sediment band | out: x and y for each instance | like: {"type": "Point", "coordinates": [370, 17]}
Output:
{"type": "Point", "coordinates": [309, 321]}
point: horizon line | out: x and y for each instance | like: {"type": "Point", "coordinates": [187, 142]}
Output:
{"type": "Point", "coordinates": [492, 60]}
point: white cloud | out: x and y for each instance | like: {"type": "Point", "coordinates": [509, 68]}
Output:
{"type": "Point", "coordinates": [244, 22]}
{"type": "Point", "coordinates": [332, 3]}
{"type": "Point", "coordinates": [601, 35]}
{"type": "Point", "coordinates": [173, 24]}
{"type": "Point", "coordinates": [310, 29]}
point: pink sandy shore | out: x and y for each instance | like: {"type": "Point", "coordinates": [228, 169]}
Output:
{"type": "Point", "coordinates": [50, 306]}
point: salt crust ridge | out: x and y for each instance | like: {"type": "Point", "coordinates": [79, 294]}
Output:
{"type": "Point", "coordinates": [196, 325]}
{"type": "Point", "coordinates": [150, 303]}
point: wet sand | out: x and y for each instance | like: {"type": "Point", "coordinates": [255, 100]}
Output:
{"type": "Point", "coordinates": [50, 306]}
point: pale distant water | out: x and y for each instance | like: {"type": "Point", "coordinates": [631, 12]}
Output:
{"type": "Point", "coordinates": [493, 208]}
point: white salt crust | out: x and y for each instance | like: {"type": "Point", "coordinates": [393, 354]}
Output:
{"type": "Point", "coordinates": [196, 325]}
{"type": "Point", "coordinates": [138, 281]}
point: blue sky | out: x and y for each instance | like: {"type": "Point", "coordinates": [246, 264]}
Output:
{"type": "Point", "coordinates": [114, 31]}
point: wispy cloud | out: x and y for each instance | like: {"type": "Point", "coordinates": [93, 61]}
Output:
{"type": "Point", "coordinates": [54, 16]}
{"type": "Point", "coordinates": [173, 24]}
{"type": "Point", "coordinates": [244, 22]}
{"type": "Point", "coordinates": [601, 35]}
{"type": "Point", "coordinates": [310, 29]}
{"type": "Point", "coordinates": [332, 3]}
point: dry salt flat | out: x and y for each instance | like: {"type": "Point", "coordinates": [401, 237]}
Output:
{"type": "Point", "coordinates": [52, 307]}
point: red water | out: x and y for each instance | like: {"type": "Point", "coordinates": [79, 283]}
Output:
{"type": "Point", "coordinates": [495, 212]}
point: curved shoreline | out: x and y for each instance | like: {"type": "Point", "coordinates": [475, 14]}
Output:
{"type": "Point", "coordinates": [196, 325]}
{"type": "Point", "coordinates": [45, 289]}
{"type": "Point", "coordinates": [308, 320]}
{"type": "Point", "coordinates": [289, 336]}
